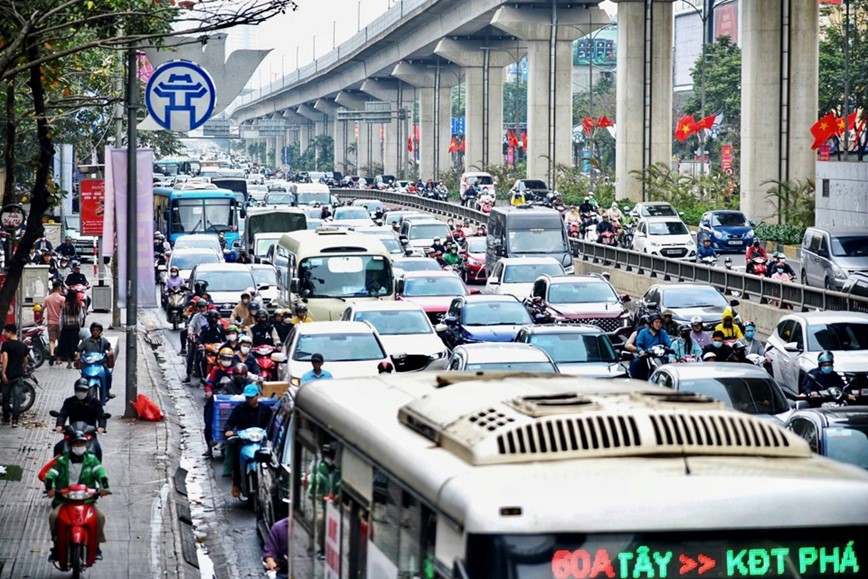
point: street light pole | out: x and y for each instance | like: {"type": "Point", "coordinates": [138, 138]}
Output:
{"type": "Point", "coordinates": [846, 79]}
{"type": "Point", "coordinates": [132, 233]}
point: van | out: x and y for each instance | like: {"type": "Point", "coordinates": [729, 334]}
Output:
{"type": "Point", "coordinates": [527, 231]}
{"type": "Point", "coordinates": [312, 194]}
{"type": "Point", "coordinates": [328, 268]}
{"type": "Point", "coordinates": [828, 258]}
{"type": "Point", "coordinates": [485, 180]}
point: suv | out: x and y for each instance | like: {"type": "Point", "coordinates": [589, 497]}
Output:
{"type": "Point", "coordinates": [533, 189]}
{"type": "Point", "coordinates": [857, 286]}
{"type": "Point", "coordinates": [420, 233]}
{"type": "Point", "coordinates": [828, 257]}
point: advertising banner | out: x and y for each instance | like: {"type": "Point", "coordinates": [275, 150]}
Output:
{"type": "Point", "coordinates": [332, 541]}
{"type": "Point", "coordinates": [92, 206]}
{"type": "Point", "coordinates": [726, 159]}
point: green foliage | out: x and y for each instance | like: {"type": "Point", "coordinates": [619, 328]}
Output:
{"type": "Point", "coordinates": [795, 201]}
{"type": "Point", "coordinates": [514, 102]}
{"type": "Point", "coordinates": [785, 234]}
{"type": "Point", "coordinates": [319, 155]}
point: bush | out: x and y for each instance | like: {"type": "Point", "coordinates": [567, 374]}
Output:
{"type": "Point", "coordinates": [786, 234]}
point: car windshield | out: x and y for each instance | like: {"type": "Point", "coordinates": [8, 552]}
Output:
{"type": "Point", "coordinates": [263, 244]}
{"type": "Point", "coordinates": [582, 292]}
{"type": "Point", "coordinates": [576, 348]}
{"type": "Point", "coordinates": [496, 313]}
{"type": "Point", "coordinates": [481, 179]}
{"type": "Point", "coordinates": [199, 243]}
{"type": "Point", "coordinates": [661, 210]}
{"type": "Point", "coordinates": [434, 286]}
{"type": "Point", "coordinates": [693, 297]}
{"type": "Point", "coordinates": [279, 199]}
{"type": "Point", "coordinates": [847, 443]}
{"type": "Point", "coordinates": [476, 244]}
{"type": "Point", "coordinates": [189, 260]}
{"type": "Point", "coordinates": [418, 265]}
{"type": "Point", "coordinates": [311, 198]}
{"type": "Point", "coordinates": [339, 347]}
{"type": "Point", "coordinates": [750, 395]}
{"type": "Point", "coordinates": [396, 323]}
{"type": "Point", "coordinates": [352, 213]}
{"type": "Point", "coordinates": [733, 219]}
{"type": "Point", "coordinates": [534, 184]}
{"type": "Point", "coordinates": [345, 276]}
{"type": "Point", "coordinates": [369, 205]}
{"type": "Point", "coordinates": [850, 246]}
{"type": "Point", "coordinates": [667, 228]}
{"type": "Point", "coordinates": [538, 241]}
{"type": "Point", "coordinates": [839, 336]}
{"type": "Point", "coordinates": [226, 281]}
{"type": "Point", "coordinates": [544, 367]}
{"type": "Point", "coordinates": [429, 231]}
{"type": "Point", "coordinates": [264, 276]}
{"type": "Point", "coordinates": [391, 244]}
{"type": "Point", "coordinates": [528, 272]}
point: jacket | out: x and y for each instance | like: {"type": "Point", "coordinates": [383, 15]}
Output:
{"type": "Point", "coordinates": [212, 334]}
{"type": "Point", "coordinates": [816, 380]}
{"type": "Point", "coordinates": [245, 416]}
{"type": "Point", "coordinates": [92, 475]}
{"type": "Point", "coordinates": [646, 339]}
{"type": "Point", "coordinates": [732, 331]}
{"type": "Point", "coordinates": [263, 334]}
{"type": "Point", "coordinates": [88, 410]}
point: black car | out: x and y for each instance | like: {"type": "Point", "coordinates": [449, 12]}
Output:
{"type": "Point", "coordinates": [686, 300]}
{"type": "Point", "coordinates": [274, 458]}
{"type": "Point", "coordinates": [482, 318]}
{"type": "Point", "coordinates": [839, 433]}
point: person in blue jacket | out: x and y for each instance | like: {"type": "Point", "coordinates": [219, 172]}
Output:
{"type": "Point", "coordinates": [651, 336]}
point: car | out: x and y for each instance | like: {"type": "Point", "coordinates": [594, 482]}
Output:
{"type": "Point", "coordinates": [729, 231]}
{"type": "Point", "coordinates": [279, 197]}
{"type": "Point", "coordinates": [407, 264]}
{"type": "Point", "coordinates": [839, 433]}
{"type": "Point", "coordinates": [857, 286]}
{"type": "Point", "coordinates": [265, 276]}
{"type": "Point", "coordinates": [405, 331]}
{"type": "Point", "coordinates": [578, 350]}
{"type": "Point", "coordinates": [349, 216]}
{"type": "Point", "coordinates": [198, 240]}
{"type": "Point", "coordinates": [516, 275]}
{"type": "Point", "coordinates": [372, 205]}
{"type": "Point", "coordinates": [400, 186]}
{"type": "Point", "coordinates": [501, 358]}
{"type": "Point", "coordinates": [432, 290]}
{"type": "Point", "coordinates": [420, 233]}
{"type": "Point", "coordinates": [383, 181]}
{"type": "Point", "coordinates": [743, 387]}
{"type": "Point", "coordinates": [186, 259]}
{"type": "Point", "coordinates": [533, 189]}
{"type": "Point", "coordinates": [225, 281]}
{"type": "Point", "coordinates": [800, 337]}
{"type": "Point", "coordinates": [273, 476]}
{"type": "Point", "coordinates": [581, 299]}
{"type": "Point", "coordinates": [474, 260]}
{"type": "Point", "coordinates": [262, 242]}
{"type": "Point", "coordinates": [388, 237]}
{"type": "Point", "coordinates": [664, 236]}
{"type": "Point", "coordinates": [485, 180]}
{"type": "Point", "coordinates": [312, 211]}
{"type": "Point", "coordinates": [829, 256]}
{"type": "Point", "coordinates": [314, 223]}
{"type": "Point", "coordinates": [399, 216]}
{"type": "Point", "coordinates": [482, 318]}
{"type": "Point", "coordinates": [84, 244]}
{"type": "Point", "coordinates": [686, 300]}
{"type": "Point", "coordinates": [257, 192]}
{"type": "Point", "coordinates": [654, 209]}
{"type": "Point", "coordinates": [350, 349]}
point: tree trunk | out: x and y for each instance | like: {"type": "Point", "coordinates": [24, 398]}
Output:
{"type": "Point", "coordinates": [39, 197]}
{"type": "Point", "coordinates": [9, 153]}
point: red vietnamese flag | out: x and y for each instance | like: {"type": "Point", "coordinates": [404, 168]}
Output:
{"type": "Point", "coordinates": [604, 122]}
{"type": "Point", "coordinates": [462, 146]}
{"type": "Point", "coordinates": [524, 140]}
{"type": "Point", "coordinates": [410, 144]}
{"type": "Point", "coordinates": [513, 138]}
{"type": "Point", "coordinates": [686, 126]}
{"type": "Point", "coordinates": [851, 123]}
{"type": "Point", "coordinates": [588, 124]}
{"type": "Point", "coordinates": [453, 145]}
{"type": "Point", "coordinates": [706, 123]}
{"type": "Point", "coordinates": [823, 130]}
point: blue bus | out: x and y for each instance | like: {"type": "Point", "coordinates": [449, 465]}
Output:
{"type": "Point", "coordinates": [197, 208]}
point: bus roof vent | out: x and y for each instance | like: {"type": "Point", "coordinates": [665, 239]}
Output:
{"type": "Point", "coordinates": [583, 425]}
{"type": "Point", "coordinates": [325, 230]}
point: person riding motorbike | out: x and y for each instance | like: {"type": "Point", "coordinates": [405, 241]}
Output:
{"type": "Point", "coordinates": [241, 314]}
{"type": "Point", "coordinates": [781, 264]}
{"type": "Point", "coordinates": [76, 467]}
{"type": "Point", "coordinates": [76, 277]}
{"type": "Point", "coordinates": [705, 250]}
{"type": "Point", "coordinates": [755, 250]}
{"type": "Point", "coordinates": [604, 226]}
{"type": "Point", "coordinates": [174, 281]}
{"type": "Point", "coordinates": [212, 333]}
{"type": "Point", "coordinates": [452, 257]}
{"type": "Point", "coordinates": [729, 328]}
{"type": "Point", "coordinates": [481, 231]}
{"type": "Point", "coordinates": [669, 325]}
{"type": "Point", "coordinates": [96, 343]}
{"type": "Point", "coordinates": [161, 246]}
{"type": "Point", "coordinates": [699, 335]}
{"type": "Point", "coordinates": [245, 356]}
{"type": "Point", "coordinates": [593, 201]}
{"type": "Point", "coordinates": [262, 331]}
{"type": "Point", "coordinates": [721, 350]}
{"type": "Point", "coordinates": [586, 206]}
{"type": "Point", "coordinates": [754, 345]}
{"type": "Point", "coordinates": [282, 325]}
{"type": "Point", "coordinates": [685, 345]}
{"type": "Point", "coordinates": [651, 336]}
{"type": "Point", "coordinates": [222, 369]}
{"type": "Point", "coordinates": [247, 415]}
{"type": "Point", "coordinates": [822, 377]}
{"type": "Point", "coordinates": [615, 213]}
{"type": "Point", "coordinates": [739, 353]}
{"type": "Point", "coordinates": [232, 339]}
{"type": "Point", "coordinates": [301, 316]}
{"type": "Point", "coordinates": [81, 408]}
{"type": "Point", "coordinates": [197, 322]}
{"type": "Point", "coordinates": [438, 247]}
{"type": "Point", "coordinates": [67, 249]}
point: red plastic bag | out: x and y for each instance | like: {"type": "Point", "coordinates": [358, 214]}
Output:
{"type": "Point", "coordinates": [147, 409]}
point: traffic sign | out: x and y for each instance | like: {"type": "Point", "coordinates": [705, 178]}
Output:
{"type": "Point", "coordinates": [180, 96]}
{"type": "Point", "coordinates": [12, 218]}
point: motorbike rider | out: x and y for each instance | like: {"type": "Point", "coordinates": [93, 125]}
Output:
{"type": "Point", "coordinates": [615, 213]}
{"type": "Point", "coordinates": [243, 257]}
{"type": "Point", "coordinates": [212, 333]}
{"type": "Point", "coordinates": [301, 316]}
{"type": "Point", "coordinates": [197, 321]}
{"type": "Point", "coordinates": [241, 314]}
{"type": "Point", "coordinates": [593, 201]}
{"type": "Point", "coordinates": [481, 231]}
{"type": "Point", "coordinates": [161, 246]}
{"type": "Point", "coordinates": [232, 340]}
{"type": "Point", "coordinates": [76, 277]}
{"type": "Point", "coordinates": [755, 250]}
{"type": "Point", "coordinates": [174, 280]}
{"type": "Point", "coordinates": [669, 325]}
{"type": "Point", "coordinates": [721, 350]}
{"type": "Point", "coordinates": [630, 344]}
{"type": "Point", "coordinates": [822, 377]}
{"type": "Point", "coordinates": [586, 206]}
{"type": "Point", "coordinates": [262, 331]}
{"type": "Point", "coordinates": [82, 467]}
{"type": "Point", "coordinates": [452, 257]}
{"type": "Point", "coordinates": [243, 355]}
{"type": "Point", "coordinates": [754, 345]}
{"type": "Point", "coordinates": [96, 343]}
{"type": "Point", "coordinates": [438, 247]}
{"type": "Point", "coordinates": [67, 249]}
{"type": "Point", "coordinates": [282, 324]}
{"type": "Point", "coordinates": [729, 328]}
{"type": "Point", "coordinates": [651, 336]}
{"type": "Point", "coordinates": [81, 408]}
{"type": "Point", "coordinates": [604, 226]}
{"type": "Point", "coordinates": [739, 353]}
{"type": "Point", "coordinates": [699, 335]}
{"type": "Point", "coordinates": [222, 369]}
{"type": "Point", "coordinates": [705, 250]}
{"type": "Point", "coordinates": [247, 415]}
{"type": "Point", "coordinates": [780, 261]}
{"type": "Point", "coordinates": [685, 346]}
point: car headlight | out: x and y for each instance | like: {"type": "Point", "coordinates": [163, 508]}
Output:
{"type": "Point", "coordinates": [438, 355]}
{"type": "Point", "coordinates": [716, 234]}
{"type": "Point", "coordinates": [838, 272]}
{"type": "Point", "coordinates": [691, 243]}
{"type": "Point", "coordinates": [295, 381]}
{"type": "Point", "coordinates": [750, 233]}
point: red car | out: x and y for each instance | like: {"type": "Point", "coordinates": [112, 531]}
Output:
{"type": "Point", "coordinates": [433, 290]}
{"type": "Point", "coordinates": [474, 260]}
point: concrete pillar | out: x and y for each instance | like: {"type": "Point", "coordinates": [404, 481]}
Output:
{"type": "Point", "coordinates": [294, 123]}
{"type": "Point", "coordinates": [395, 147]}
{"type": "Point", "coordinates": [435, 82]}
{"type": "Point", "coordinates": [549, 33]}
{"type": "Point", "coordinates": [661, 129]}
{"type": "Point", "coordinates": [356, 102]}
{"type": "Point", "coordinates": [483, 75]}
{"type": "Point", "coordinates": [778, 98]}
{"type": "Point", "coordinates": [334, 129]}
{"type": "Point", "coordinates": [317, 118]}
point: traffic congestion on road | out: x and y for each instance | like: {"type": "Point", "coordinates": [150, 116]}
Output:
{"type": "Point", "coordinates": [362, 388]}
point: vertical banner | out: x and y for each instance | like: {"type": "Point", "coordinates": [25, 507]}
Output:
{"type": "Point", "coordinates": [378, 565]}
{"type": "Point", "coordinates": [92, 206]}
{"type": "Point", "coordinates": [726, 159]}
{"type": "Point", "coordinates": [332, 541]}
{"type": "Point", "coordinates": [143, 237]}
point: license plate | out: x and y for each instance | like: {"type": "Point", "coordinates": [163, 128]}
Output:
{"type": "Point", "coordinates": [733, 242]}
{"type": "Point", "coordinates": [864, 391]}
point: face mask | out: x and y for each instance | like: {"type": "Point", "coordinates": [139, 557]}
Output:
{"type": "Point", "coordinates": [79, 450]}
{"type": "Point", "coordinates": [717, 344]}
{"type": "Point", "coordinates": [231, 337]}
{"type": "Point", "coordinates": [245, 350]}
{"type": "Point", "coordinates": [225, 363]}
{"type": "Point", "coordinates": [174, 274]}
{"type": "Point", "coordinates": [81, 395]}
{"type": "Point", "coordinates": [749, 335]}
{"type": "Point", "coordinates": [826, 369]}
{"type": "Point", "coordinates": [245, 300]}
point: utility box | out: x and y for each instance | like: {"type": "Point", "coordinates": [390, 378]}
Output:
{"type": "Point", "coordinates": [101, 298]}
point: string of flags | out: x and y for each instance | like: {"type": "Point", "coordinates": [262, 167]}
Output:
{"type": "Point", "coordinates": [589, 124]}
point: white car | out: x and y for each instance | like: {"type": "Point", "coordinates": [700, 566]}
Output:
{"type": "Point", "coordinates": [198, 240]}
{"type": "Point", "coordinates": [186, 259]}
{"type": "Point", "coordinates": [405, 331]}
{"type": "Point", "coordinates": [664, 236]}
{"type": "Point", "coordinates": [350, 350]}
{"type": "Point", "coordinates": [265, 276]}
{"type": "Point", "coordinates": [388, 238]}
{"type": "Point", "coordinates": [225, 281]}
{"type": "Point", "coordinates": [405, 264]}
{"type": "Point", "coordinates": [501, 357]}
{"type": "Point", "coordinates": [515, 275]}
{"type": "Point", "coordinates": [420, 233]}
{"type": "Point", "coordinates": [351, 217]}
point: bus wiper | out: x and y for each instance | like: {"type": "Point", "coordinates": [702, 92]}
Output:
{"type": "Point", "coordinates": [198, 223]}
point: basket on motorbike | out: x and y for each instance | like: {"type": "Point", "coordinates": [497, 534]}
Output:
{"type": "Point", "coordinates": [223, 406]}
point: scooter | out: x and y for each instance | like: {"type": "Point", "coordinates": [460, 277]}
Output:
{"type": "Point", "coordinates": [209, 354]}
{"type": "Point", "coordinates": [93, 369]}
{"type": "Point", "coordinates": [76, 543]}
{"type": "Point", "coordinates": [251, 440]}
{"type": "Point", "coordinates": [485, 203]}
{"type": "Point", "coordinates": [757, 265]}
{"type": "Point", "coordinates": [268, 358]}
{"type": "Point", "coordinates": [608, 238]}
{"type": "Point", "coordinates": [175, 300]}
{"type": "Point", "coordinates": [69, 430]}
{"type": "Point", "coordinates": [81, 291]}
{"type": "Point", "coordinates": [35, 338]}
{"type": "Point", "coordinates": [708, 260]}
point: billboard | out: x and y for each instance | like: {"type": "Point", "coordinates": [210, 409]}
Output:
{"type": "Point", "coordinates": [92, 206]}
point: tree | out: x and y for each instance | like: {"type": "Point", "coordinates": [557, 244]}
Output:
{"type": "Point", "coordinates": [515, 102]}
{"type": "Point", "coordinates": [595, 104]}
{"type": "Point", "coordinates": [319, 155]}
{"type": "Point", "coordinates": [39, 38]}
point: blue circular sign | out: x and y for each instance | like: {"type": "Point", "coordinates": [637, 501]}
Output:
{"type": "Point", "coordinates": [180, 96]}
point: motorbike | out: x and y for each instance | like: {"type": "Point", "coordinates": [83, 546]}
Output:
{"type": "Point", "coordinates": [485, 203]}
{"type": "Point", "coordinates": [36, 340]}
{"type": "Point", "coordinates": [81, 290]}
{"type": "Point", "coordinates": [93, 369]}
{"type": "Point", "coordinates": [28, 398]}
{"type": "Point", "coordinates": [708, 260]}
{"type": "Point", "coordinates": [573, 229]}
{"type": "Point", "coordinates": [608, 238]}
{"type": "Point", "coordinates": [209, 356]}
{"type": "Point", "coordinates": [626, 235]}
{"type": "Point", "coordinates": [836, 397]}
{"type": "Point", "coordinates": [69, 430]}
{"type": "Point", "coordinates": [269, 359]}
{"type": "Point", "coordinates": [757, 265]}
{"type": "Point", "coordinates": [175, 300]}
{"type": "Point", "coordinates": [76, 530]}
{"type": "Point", "coordinates": [654, 357]}
{"type": "Point", "coordinates": [250, 440]}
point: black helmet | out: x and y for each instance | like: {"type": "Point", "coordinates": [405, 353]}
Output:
{"type": "Point", "coordinates": [213, 315]}
{"type": "Point", "coordinates": [739, 345]}
{"type": "Point", "coordinates": [240, 370]}
{"type": "Point", "coordinates": [81, 384]}
{"type": "Point", "coordinates": [684, 330]}
{"type": "Point", "coordinates": [96, 325]}
{"type": "Point", "coordinates": [654, 317]}
{"type": "Point", "coordinates": [79, 436]}
{"type": "Point", "coordinates": [261, 314]}
{"type": "Point", "coordinates": [253, 307]}
{"type": "Point", "coordinates": [644, 320]}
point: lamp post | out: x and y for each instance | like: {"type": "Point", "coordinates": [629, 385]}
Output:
{"type": "Point", "coordinates": [705, 14]}
{"type": "Point", "coordinates": [132, 231]}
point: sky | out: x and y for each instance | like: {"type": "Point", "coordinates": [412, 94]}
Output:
{"type": "Point", "coordinates": [317, 23]}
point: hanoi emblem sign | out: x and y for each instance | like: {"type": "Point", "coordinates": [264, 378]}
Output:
{"type": "Point", "coordinates": [180, 96]}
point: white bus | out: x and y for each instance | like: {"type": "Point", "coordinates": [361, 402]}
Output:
{"type": "Point", "coordinates": [481, 477]}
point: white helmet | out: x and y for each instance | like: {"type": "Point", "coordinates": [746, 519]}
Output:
{"type": "Point", "coordinates": [695, 320]}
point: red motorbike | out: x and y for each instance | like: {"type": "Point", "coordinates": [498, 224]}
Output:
{"type": "Point", "coordinates": [81, 290]}
{"type": "Point", "coordinates": [36, 340]}
{"type": "Point", "coordinates": [76, 530]}
{"type": "Point", "coordinates": [608, 238]}
{"type": "Point", "coordinates": [757, 265]}
{"type": "Point", "coordinates": [268, 366]}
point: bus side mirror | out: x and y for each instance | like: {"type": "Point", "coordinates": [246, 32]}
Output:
{"type": "Point", "coordinates": [293, 285]}
{"type": "Point", "coordinates": [399, 286]}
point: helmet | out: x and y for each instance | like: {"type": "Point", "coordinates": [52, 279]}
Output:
{"type": "Point", "coordinates": [226, 353]}
{"type": "Point", "coordinates": [249, 292]}
{"type": "Point", "coordinates": [213, 315]}
{"type": "Point", "coordinates": [739, 345]}
{"type": "Point", "coordinates": [668, 312]}
{"type": "Point", "coordinates": [300, 307]}
{"type": "Point", "coordinates": [76, 264]}
{"type": "Point", "coordinates": [644, 320]}
{"type": "Point", "coordinates": [37, 308]}
{"type": "Point", "coordinates": [232, 328]}
{"type": "Point", "coordinates": [201, 303]}
{"type": "Point", "coordinates": [261, 314]}
{"type": "Point", "coordinates": [200, 285]}
{"type": "Point", "coordinates": [240, 370]}
{"type": "Point", "coordinates": [279, 312]}
{"type": "Point", "coordinates": [695, 320]}
{"type": "Point", "coordinates": [96, 326]}
{"type": "Point", "coordinates": [614, 204]}
{"type": "Point", "coordinates": [79, 436]}
{"type": "Point", "coordinates": [826, 357]}
{"type": "Point", "coordinates": [245, 339]}
{"type": "Point", "coordinates": [684, 329]}
{"type": "Point", "coordinates": [654, 317]}
{"type": "Point", "coordinates": [756, 241]}
{"type": "Point", "coordinates": [781, 255]}
{"type": "Point", "coordinates": [81, 384]}
{"type": "Point", "coordinates": [253, 307]}
{"type": "Point", "coordinates": [174, 269]}
{"type": "Point", "coordinates": [749, 324]}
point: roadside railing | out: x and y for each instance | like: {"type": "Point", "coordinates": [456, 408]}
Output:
{"type": "Point", "coordinates": [761, 289]}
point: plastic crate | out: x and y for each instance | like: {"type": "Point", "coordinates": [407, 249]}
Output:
{"type": "Point", "coordinates": [223, 406]}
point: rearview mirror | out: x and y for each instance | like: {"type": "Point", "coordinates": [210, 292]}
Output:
{"type": "Point", "coordinates": [734, 303]}
{"type": "Point", "coordinates": [293, 285]}
{"type": "Point", "coordinates": [624, 298]}
{"type": "Point", "coordinates": [792, 347]}
{"type": "Point", "coordinates": [399, 286]}
{"type": "Point", "coordinates": [651, 305]}
{"type": "Point", "coordinates": [440, 328]}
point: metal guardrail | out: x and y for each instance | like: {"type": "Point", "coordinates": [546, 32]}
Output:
{"type": "Point", "coordinates": [762, 288]}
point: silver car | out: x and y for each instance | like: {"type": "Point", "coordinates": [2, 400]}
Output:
{"type": "Point", "coordinates": [578, 350]}
{"type": "Point", "coordinates": [828, 257]}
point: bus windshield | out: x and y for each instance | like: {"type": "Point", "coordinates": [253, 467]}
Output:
{"type": "Point", "coordinates": [201, 215]}
{"type": "Point", "coordinates": [345, 276]}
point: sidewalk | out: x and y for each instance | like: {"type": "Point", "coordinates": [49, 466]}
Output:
{"type": "Point", "coordinates": [140, 458]}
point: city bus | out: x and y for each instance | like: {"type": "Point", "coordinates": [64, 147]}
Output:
{"type": "Point", "coordinates": [173, 166]}
{"type": "Point", "coordinates": [198, 208]}
{"type": "Point", "coordinates": [329, 267]}
{"type": "Point", "coordinates": [466, 476]}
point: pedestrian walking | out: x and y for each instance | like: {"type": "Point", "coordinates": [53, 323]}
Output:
{"type": "Point", "coordinates": [53, 307]}
{"type": "Point", "coordinates": [71, 320]}
{"type": "Point", "coordinates": [14, 355]}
